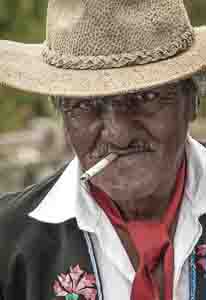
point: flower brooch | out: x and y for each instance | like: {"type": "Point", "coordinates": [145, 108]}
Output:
{"type": "Point", "coordinates": [75, 283]}
{"type": "Point", "coordinates": [201, 253]}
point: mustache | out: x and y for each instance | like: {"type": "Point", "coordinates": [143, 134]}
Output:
{"type": "Point", "coordinates": [137, 146]}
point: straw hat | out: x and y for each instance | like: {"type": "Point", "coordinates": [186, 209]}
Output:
{"type": "Point", "coordinates": [105, 47]}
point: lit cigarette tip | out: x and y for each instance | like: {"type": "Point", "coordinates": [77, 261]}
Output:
{"type": "Point", "coordinates": [98, 167]}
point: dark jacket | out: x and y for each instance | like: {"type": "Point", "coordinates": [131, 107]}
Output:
{"type": "Point", "coordinates": [32, 253]}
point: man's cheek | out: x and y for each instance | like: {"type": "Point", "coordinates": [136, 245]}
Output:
{"type": "Point", "coordinates": [82, 143]}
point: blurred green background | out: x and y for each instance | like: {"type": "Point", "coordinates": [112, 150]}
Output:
{"type": "Point", "coordinates": [24, 21]}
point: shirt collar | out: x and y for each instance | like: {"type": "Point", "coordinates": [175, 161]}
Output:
{"type": "Point", "coordinates": [195, 189]}
{"type": "Point", "coordinates": [69, 198]}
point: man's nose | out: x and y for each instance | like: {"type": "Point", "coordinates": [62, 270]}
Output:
{"type": "Point", "coordinates": [118, 129]}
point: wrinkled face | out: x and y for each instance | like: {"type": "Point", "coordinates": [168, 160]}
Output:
{"type": "Point", "coordinates": [148, 128]}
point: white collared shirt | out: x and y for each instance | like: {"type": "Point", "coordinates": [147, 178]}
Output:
{"type": "Point", "coordinates": [69, 199]}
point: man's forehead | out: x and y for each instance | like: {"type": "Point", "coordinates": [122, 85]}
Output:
{"type": "Point", "coordinates": [158, 89]}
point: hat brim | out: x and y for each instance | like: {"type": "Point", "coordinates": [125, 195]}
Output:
{"type": "Point", "coordinates": [22, 67]}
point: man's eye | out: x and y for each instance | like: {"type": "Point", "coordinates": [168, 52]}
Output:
{"type": "Point", "coordinates": [86, 105]}
{"type": "Point", "coordinates": [78, 109]}
{"type": "Point", "coordinates": [147, 97]}
{"type": "Point", "coordinates": [151, 96]}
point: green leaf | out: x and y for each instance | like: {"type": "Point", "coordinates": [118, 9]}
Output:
{"type": "Point", "coordinates": [72, 297]}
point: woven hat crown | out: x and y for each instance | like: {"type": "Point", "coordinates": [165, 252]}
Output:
{"type": "Point", "coordinates": [97, 34]}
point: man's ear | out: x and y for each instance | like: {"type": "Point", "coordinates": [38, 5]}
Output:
{"type": "Point", "coordinates": [194, 107]}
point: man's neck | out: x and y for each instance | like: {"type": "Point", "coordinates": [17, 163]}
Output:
{"type": "Point", "coordinates": [152, 207]}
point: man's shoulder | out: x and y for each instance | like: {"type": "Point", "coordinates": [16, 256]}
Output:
{"type": "Point", "coordinates": [22, 202]}
{"type": "Point", "coordinates": [21, 234]}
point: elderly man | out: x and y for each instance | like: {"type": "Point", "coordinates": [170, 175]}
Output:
{"type": "Point", "coordinates": [124, 77]}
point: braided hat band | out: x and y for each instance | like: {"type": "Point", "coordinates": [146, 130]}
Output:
{"type": "Point", "coordinates": [117, 60]}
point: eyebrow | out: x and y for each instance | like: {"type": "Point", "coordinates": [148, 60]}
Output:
{"type": "Point", "coordinates": [69, 102]}
{"type": "Point", "coordinates": [72, 101]}
{"type": "Point", "coordinates": [66, 102]}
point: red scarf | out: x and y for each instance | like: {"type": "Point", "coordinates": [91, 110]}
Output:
{"type": "Point", "coordinates": [151, 241]}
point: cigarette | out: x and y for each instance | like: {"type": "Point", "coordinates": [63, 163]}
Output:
{"type": "Point", "coordinates": [98, 167]}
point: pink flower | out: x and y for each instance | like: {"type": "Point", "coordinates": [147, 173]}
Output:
{"type": "Point", "coordinates": [201, 250]}
{"type": "Point", "coordinates": [201, 263]}
{"type": "Point", "coordinates": [76, 282]}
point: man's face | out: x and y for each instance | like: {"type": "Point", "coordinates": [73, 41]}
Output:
{"type": "Point", "coordinates": [153, 123]}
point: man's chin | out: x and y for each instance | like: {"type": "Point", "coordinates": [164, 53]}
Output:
{"type": "Point", "coordinates": [124, 185]}
{"type": "Point", "coordinates": [132, 163]}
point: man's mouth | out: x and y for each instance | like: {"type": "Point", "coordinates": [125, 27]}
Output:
{"type": "Point", "coordinates": [111, 153]}
{"type": "Point", "coordinates": [137, 147]}
{"type": "Point", "coordinates": [134, 147]}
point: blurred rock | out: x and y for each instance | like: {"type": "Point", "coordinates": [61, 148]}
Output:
{"type": "Point", "coordinates": [29, 155]}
